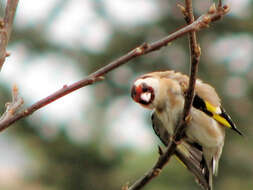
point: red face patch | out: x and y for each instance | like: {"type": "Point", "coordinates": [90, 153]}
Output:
{"type": "Point", "coordinates": [138, 90]}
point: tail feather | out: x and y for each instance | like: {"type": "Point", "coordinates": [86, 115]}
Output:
{"type": "Point", "coordinates": [192, 160]}
{"type": "Point", "coordinates": [210, 180]}
{"type": "Point", "coordinates": [211, 162]}
{"type": "Point", "coordinates": [215, 167]}
{"type": "Point", "coordinates": [215, 160]}
{"type": "Point", "coordinates": [186, 153]}
{"type": "Point", "coordinates": [207, 172]}
{"type": "Point", "coordinates": [211, 173]}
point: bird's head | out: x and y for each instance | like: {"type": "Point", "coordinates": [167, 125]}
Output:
{"type": "Point", "coordinates": [144, 91]}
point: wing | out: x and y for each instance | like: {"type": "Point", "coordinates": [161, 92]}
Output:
{"type": "Point", "coordinates": [187, 154]}
{"type": "Point", "coordinates": [160, 130]}
{"type": "Point", "coordinates": [218, 113]}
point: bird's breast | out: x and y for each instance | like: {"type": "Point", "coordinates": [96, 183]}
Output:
{"type": "Point", "coordinates": [169, 118]}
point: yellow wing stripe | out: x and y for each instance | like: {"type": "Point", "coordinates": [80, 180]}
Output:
{"type": "Point", "coordinates": [212, 109]}
{"type": "Point", "coordinates": [216, 111]}
{"type": "Point", "coordinates": [221, 120]}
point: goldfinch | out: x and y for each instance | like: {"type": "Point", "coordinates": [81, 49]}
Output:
{"type": "Point", "coordinates": [164, 93]}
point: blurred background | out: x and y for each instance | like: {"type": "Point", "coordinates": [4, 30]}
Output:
{"type": "Point", "coordinates": [97, 137]}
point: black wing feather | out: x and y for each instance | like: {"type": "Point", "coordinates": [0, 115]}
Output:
{"type": "Point", "coordinates": [200, 104]}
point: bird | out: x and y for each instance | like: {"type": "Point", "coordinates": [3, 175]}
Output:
{"type": "Point", "coordinates": [164, 93]}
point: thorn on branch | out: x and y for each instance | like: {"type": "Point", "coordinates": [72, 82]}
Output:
{"type": "Point", "coordinates": [206, 21]}
{"type": "Point", "coordinates": [197, 51]}
{"type": "Point", "coordinates": [212, 15]}
{"type": "Point", "coordinates": [141, 49]}
{"type": "Point", "coordinates": [96, 79]}
{"type": "Point", "coordinates": [221, 12]}
{"type": "Point", "coordinates": [100, 78]}
{"type": "Point", "coordinates": [12, 107]}
{"type": "Point", "coordinates": [212, 9]}
{"type": "Point", "coordinates": [138, 51]}
{"type": "Point", "coordinates": [185, 13]}
{"type": "Point", "coordinates": [26, 111]}
{"type": "Point", "coordinates": [1, 23]}
{"type": "Point", "coordinates": [182, 9]}
{"type": "Point", "coordinates": [15, 93]}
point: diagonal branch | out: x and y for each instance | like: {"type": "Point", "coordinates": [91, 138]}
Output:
{"type": "Point", "coordinates": [201, 22]}
{"type": "Point", "coordinates": [195, 54]}
{"type": "Point", "coordinates": [6, 27]}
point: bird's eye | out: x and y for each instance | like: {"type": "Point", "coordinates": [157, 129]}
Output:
{"type": "Point", "coordinates": [145, 88]}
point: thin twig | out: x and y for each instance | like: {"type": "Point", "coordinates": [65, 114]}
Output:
{"type": "Point", "coordinates": [195, 53]}
{"type": "Point", "coordinates": [145, 48]}
{"type": "Point", "coordinates": [6, 27]}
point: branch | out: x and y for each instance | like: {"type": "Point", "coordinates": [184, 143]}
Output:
{"type": "Point", "coordinates": [6, 27]}
{"type": "Point", "coordinates": [179, 130]}
{"type": "Point", "coordinates": [195, 56]}
{"type": "Point", "coordinates": [201, 22]}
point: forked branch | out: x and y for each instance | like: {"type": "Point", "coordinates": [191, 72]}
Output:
{"type": "Point", "coordinates": [200, 23]}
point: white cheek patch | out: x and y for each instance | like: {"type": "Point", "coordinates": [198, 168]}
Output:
{"type": "Point", "coordinates": [146, 96]}
{"type": "Point", "coordinates": [152, 82]}
{"type": "Point", "coordinates": [138, 82]}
